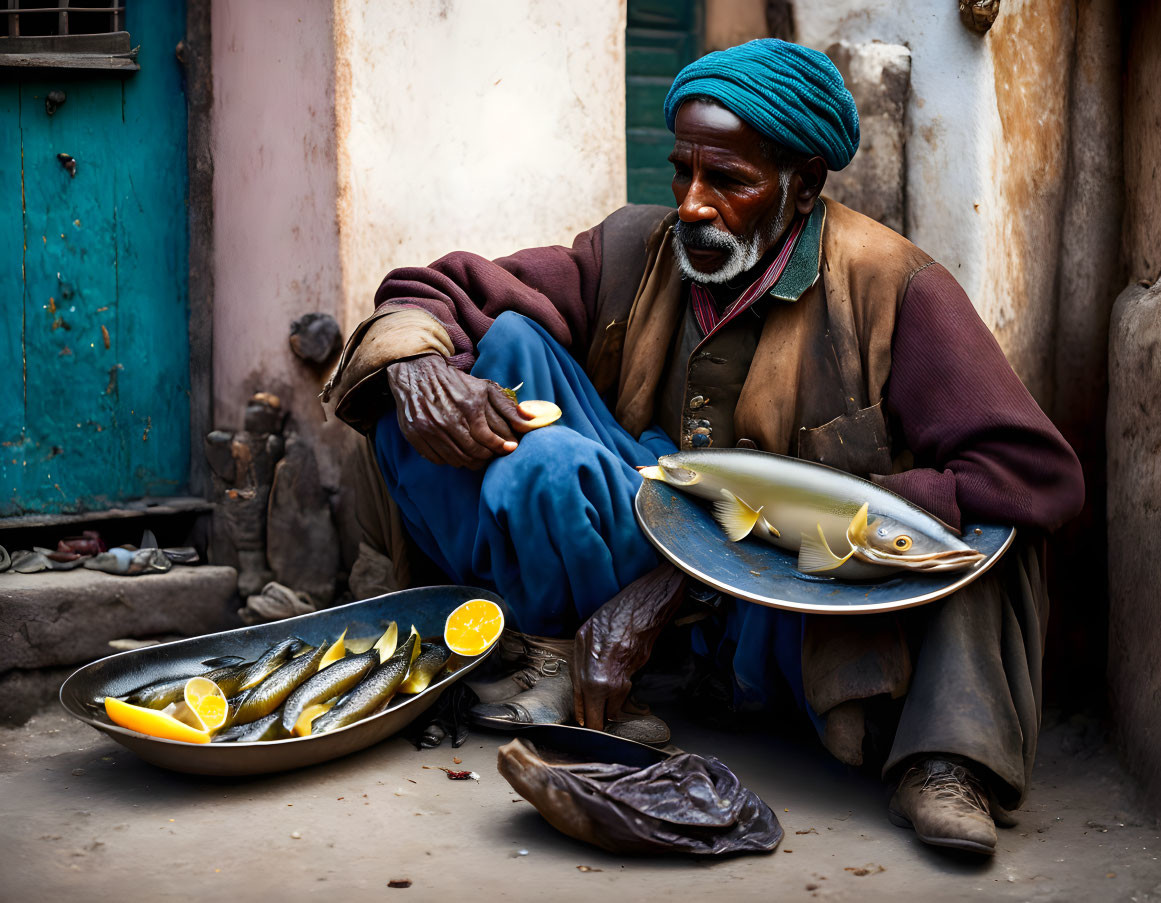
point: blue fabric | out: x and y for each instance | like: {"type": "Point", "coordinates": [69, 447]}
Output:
{"type": "Point", "coordinates": [790, 93]}
{"type": "Point", "coordinates": [551, 526]}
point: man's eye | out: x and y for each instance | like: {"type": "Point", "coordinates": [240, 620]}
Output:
{"type": "Point", "coordinates": [726, 181]}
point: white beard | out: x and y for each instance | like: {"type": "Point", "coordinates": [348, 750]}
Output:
{"type": "Point", "coordinates": [744, 255]}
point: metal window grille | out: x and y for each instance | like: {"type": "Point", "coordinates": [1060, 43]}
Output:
{"type": "Point", "coordinates": [36, 18]}
{"type": "Point", "coordinates": [74, 34]}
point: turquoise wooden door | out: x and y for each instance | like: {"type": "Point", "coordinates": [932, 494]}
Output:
{"type": "Point", "coordinates": [94, 343]}
{"type": "Point", "coordinates": [661, 37]}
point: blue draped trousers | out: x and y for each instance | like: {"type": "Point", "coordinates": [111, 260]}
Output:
{"type": "Point", "coordinates": [550, 527]}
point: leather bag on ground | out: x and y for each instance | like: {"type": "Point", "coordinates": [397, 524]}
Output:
{"type": "Point", "coordinates": [686, 804]}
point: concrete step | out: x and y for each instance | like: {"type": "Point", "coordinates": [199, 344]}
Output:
{"type": "Point", "coordinates": [54, 621]}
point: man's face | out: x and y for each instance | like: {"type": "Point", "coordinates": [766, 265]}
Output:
{"type": "Point", "coordinates": [731, 198]}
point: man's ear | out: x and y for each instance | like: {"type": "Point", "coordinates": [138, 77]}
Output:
{"type": "Point", "coordinates": [807, 184]}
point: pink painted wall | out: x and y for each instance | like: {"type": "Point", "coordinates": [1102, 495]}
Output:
{"type": "Point", "coordinates": [275, 187]}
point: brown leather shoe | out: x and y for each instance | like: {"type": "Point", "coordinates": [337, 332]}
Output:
{"type": "Point", "coordinates": [946, 805]}
{"type": "Point", "coordinates": [525, 660]}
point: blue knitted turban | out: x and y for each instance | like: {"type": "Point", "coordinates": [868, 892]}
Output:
{"type": "Point", "coordinates": [790, 93]}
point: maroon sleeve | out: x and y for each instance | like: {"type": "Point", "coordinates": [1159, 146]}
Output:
{"type": "Point", "coordinates": [555, 286]}
{"type": "Point", "coordinates": [983, 448]}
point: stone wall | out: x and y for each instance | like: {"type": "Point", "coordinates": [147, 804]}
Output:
{"type": "Point", "coordinates": [1134, 438]}
{"type": "Point", "coordinates": [1134, 424]}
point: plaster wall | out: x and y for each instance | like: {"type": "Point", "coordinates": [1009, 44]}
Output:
{"type": "Point", "coordinates": [953, 128]}
{"type": "Point", "coordinates": [276, 253]}
{"type": "Point", "coordinates": [485, 127]}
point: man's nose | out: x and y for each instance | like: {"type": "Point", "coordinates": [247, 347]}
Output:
{"type": "Point", "coordinates": [693, 207]}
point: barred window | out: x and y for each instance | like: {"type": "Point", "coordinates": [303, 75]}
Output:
{"type": "Point", "coordinates": [70, 34]}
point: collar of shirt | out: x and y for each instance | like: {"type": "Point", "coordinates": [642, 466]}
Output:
{"type": "Point", "coordinates": [793, 271]}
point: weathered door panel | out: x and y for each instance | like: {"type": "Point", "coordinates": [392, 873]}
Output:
{"type": "Point", "coordinates": [99, 321]}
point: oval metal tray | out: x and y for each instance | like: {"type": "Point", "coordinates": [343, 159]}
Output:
{"type": "Point", "coordinates": [427, 608]}
{"type": "Point", "coordinates": [685, 532]}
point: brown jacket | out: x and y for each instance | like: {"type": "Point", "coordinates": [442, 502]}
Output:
{"type": "Point", "coordinates": [861, 326]}
{"type": "Point", "coordinates": [823, 352]}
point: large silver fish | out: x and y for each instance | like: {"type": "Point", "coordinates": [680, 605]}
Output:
{"type": "Point", "coordinates": [839, 524]}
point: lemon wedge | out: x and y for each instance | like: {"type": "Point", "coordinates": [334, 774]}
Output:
{"type": "Point", "coordinates": [207, 702]}
{"type": "Point", "coordinates": [152, 722]}
{"type": "Point", "coordinates": [387, 643]}
{"type": "Point", "coordinates": [336, 652]}
{"type": "Point", "coordinates": [302, 725]}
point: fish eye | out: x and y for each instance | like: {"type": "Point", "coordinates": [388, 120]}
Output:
{"type": "Point", "coordinates": [902, 543]}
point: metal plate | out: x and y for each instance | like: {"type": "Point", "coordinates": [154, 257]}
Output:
{"type": "Point", "coordinates": [427, 608]}
{"type": "Point", "coordinates": [684, 531]}
{"type": "Point", "coordinates": [580, 744]}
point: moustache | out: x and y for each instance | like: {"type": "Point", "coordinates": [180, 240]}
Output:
{"type": "Point", "coordinates": [704, 237]}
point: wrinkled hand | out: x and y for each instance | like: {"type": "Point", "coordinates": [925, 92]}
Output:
{"type": "Point", "coordinates": [451, 417]}
{"type": "Point", "coordinates": [616, 642]}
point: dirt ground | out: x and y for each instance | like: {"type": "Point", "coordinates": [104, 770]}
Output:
{"type": "Point", "coordinates": [83, 819]}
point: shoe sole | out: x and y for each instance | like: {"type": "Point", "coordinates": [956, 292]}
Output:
{"type": "Point", "coordinates": [954, 843]}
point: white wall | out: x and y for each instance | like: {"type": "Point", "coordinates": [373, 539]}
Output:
{"type": "Point", "coordinates": [474, 126]}
{"type": "Point", "coordinates": [986, 151]}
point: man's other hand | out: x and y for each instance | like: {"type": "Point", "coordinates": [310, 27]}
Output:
{"type": "Point", "coordinates": [451, 417]}
{"type": "Point", "coordinates": [616, 642]}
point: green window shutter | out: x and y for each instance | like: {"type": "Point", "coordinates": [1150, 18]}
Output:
{"type": "Point", "coordinates": [661, 37]}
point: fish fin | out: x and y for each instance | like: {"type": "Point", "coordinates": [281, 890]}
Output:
{"type": "Point", "coordinates": [857, 531]}
{"type": "Point", "coordinates": [814, 554]}
{"type": "Point", "coordinates": [222, 660]}
{"type": "Point", "coordinates": [772, 529]}
{"type": "Point", "coordinates": [736, 517]}
{"type": "Point", "coordinates": [652, 472]}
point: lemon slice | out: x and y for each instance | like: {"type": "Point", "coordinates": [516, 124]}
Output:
{"type": "Point", "coordinates": [387, 643]}
{"type": "Point", "coordinates": [543, 413]}
{"type": "Point", "coordinates": [302, 725]}
{"type": "Point", "coordinates": [152, 722]}
{"type": "Point", "coordinates": [206, 703]}
{"type": "Point", "coordinates": [336, 652]}
{"type": "Point", "coordinates": [473, 627]}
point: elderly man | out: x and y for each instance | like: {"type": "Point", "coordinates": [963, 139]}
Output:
{"type": "Point", "coordinates": [756, 314]}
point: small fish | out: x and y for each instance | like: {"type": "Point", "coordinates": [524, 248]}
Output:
{"type": "Point", "coordinates": [839, 524]}
{"type": "Point", "coordinates": [430, 661]}
{"type": "Point", "coordinates": [268, 728]}
{"type": "Point", "coordinates": [272, 692]}
{"type": "Point", "coordinates": [271, 660]}
{"type": "Point", "coordinates": [373, 692]}
{"type": "Point", "coordinates": [334, 680]}
{"type": "Point", "coordinates": [159, 694]}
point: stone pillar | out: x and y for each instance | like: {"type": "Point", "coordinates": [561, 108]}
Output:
{"type": "Point", "coordinates": [875, 181]}
{"type": "Point", "coordinates": [1134, 512]}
